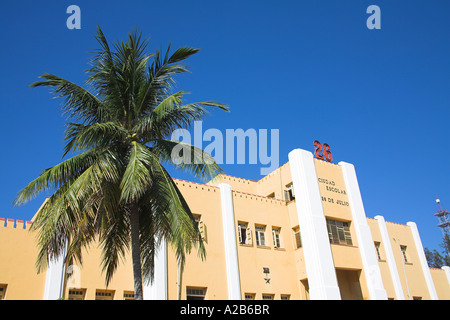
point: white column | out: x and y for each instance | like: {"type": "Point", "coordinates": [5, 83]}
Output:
{"type": "Point", "coordinates": [54, 278]}
{"type": "Point", "coordinates": [319, 263]}
{"type": "Point", "coordinates": [157, 290]}
{"type": "Point", "coordinates": [423, 260]}
{"type": "Point", "coordinates": [390, 258]}
{"type": "Point", "coordinates": [365, 241]}
{"type": "Point", "coordinates": [447, 272]}
{"type": "Point", "coordinates": [229, 232]}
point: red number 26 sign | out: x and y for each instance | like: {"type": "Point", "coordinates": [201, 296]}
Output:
{"type": "Point", "coordinates": [322, 152]}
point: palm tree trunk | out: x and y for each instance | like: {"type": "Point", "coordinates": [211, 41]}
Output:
{"type": "Point", "coordinates": [136, 254]}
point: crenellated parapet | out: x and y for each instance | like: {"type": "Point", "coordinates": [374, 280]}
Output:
{"type": "Point", "coordinates": [15, 224]}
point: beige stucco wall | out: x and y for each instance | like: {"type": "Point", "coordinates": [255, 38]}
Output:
{"type": "Point", "coordinates": [18, 252]}
{"type": "Point", "coordinates": [209, 273]}
{"type": "Point", "coordinates": [441, 283]}
{"type": "Point", "coordinates": [251, 205]}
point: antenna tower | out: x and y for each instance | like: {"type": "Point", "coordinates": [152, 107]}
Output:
{"type": "Point", "coordinates": [444, 218]}
{"type": "Point", "coordinates": [444, 221]}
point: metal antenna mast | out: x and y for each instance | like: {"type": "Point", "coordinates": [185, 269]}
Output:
{"type": "Point", "coordinates": [444, 220]}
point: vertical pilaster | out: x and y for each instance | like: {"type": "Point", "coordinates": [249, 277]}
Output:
{"type": "Point", "coordinates": [423, 261]}
{"type": "Point", "coordinates": [319, 263]}
{"type": "Point", "coordinates": [229, 232]}
{"type": "Point", "coordinates": [365, 241]}
{"type": "Point", "coordinates": [447, 272]}
{"type": "Point", "coordinates": [54, 278]}
{"type": "Point", "coordinates": [390, 258]}
{"type": "Point", "coordinates": [157, 290]}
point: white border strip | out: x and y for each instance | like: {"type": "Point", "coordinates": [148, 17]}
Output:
{"type": "Point", "coordinates": [54, 278]}
{"type": "Point", "coordinates": [423, 260]}
{"type": "Point", "coordinates": [390, 258]}
{"type": "Point", "coordinates": [229, 233]}
{"type": "Point", "coordinates": [319, 263]}
{"type": "Point", "coordinates": [158, 289]}
{"type": "Point", "coordinates": [365, 241]}
{"type": "Point", "coordinates": [447, 272]}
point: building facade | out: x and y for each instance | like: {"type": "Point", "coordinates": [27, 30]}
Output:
{"type": "Point", "coordinates": [298, 233]}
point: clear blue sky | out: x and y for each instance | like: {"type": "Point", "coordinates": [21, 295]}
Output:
{"type": "Point", "coordinates": [312, 69]}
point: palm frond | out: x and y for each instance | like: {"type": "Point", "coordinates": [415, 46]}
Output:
{"type": "Point", "coordinates": [160, 78]}
{"type": "Point", "coordinates": [182, 233]}
{"type": "Point", "coordinates": [188, 158]}
{"type": "Point", "coordinates": [81, 137]}
{"type": "Point", "coordinates": [137, 177]}
{"type": "Point", "coordinates": [57, 176]}
{"type": "Point", "coordinates": [79, 102]}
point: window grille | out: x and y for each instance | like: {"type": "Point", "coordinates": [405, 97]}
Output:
{"type": "Point", "coordinates": [128, 295]}
{"type": "Point", "coordinates": [76, 294]}
{"type": "Point", "coordinates": [195, 293]}
{"type": "Point", "coordinates": [103, 295]}
{"type": "Point", "coordinates": [249, 296]}
{"type": "Point", "coordinates": [339, 232]}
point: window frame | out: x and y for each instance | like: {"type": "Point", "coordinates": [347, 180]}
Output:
{"type": "Point", "coordinates": [3, 288]}
{"type": "Point", "coordinates": [128, 295]}
{"type": "Point", "coordinates": [76, 294]}
{"type": "Point", "coordinates": [249, 296]}
{"type": "Point", "coordinates": [196, 292]}
{"type": "Point", "coordinates": [339, 232]}
{"type": "Point", "coordinates": [378, 250]}
{"type": "Point", "coordinates": [276, 237]}
{"type": "Point", "coordinates": [405, 257]}
{"type": "Point", "coordinates": [106, 294]}
{"type": "Point", "coordinates": [243, 230]}
{"type": "Point", "coordinates": [260, 241]}
{"type": "Point", "coordinates": [296, 231]}
{"type": "Point", "coordinates": [289, 194]}
{"type": "Point", "coordinates": [267, 296]}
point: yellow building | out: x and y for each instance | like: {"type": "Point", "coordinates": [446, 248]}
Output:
{"type": "Point", "coordinates": [298, 233]}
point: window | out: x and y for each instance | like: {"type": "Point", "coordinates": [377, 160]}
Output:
{"type": "Point", "coordinates": [2, 291]}
{"type": "Point", "coordinates": [104, 295]}
{"type": "Point", "coordinates": [128, 295]}
{"type": "Point", "coordinates": [404, 255]}
{"type": "Point", "coordinates": [260, 237]}
{"type": "Point", "coordinates": [289, 193]}
{"type": "Point", "coordinates": [76, 294]}
{"type": "Point", "coordinates": [196, 217]}
{"type": "Point", "coordinates": [266, 296]}
{"type": "Point", "coordinates": [339, 232]}
{"type": "Point", "coordinates": [244, 232]}
{"type": "Point", "coordinates": [249, 296]}
{"type": "Point", "coordinates": [377, 249]}
{"type": "Point", "coordinates": [285, 297]}
{"type": "Point", "coordinates": [298, 239]}
{"type": "Point", "coordinates": [272, 195]}
{"type": "Point", "coordinates": [201, 225]}
{"type": "Point", "coordinates": [276, 237]}
{"type": "Point", "coordinates": [417, 298]}
{"type": "Point", "coordinates": [195, 293]}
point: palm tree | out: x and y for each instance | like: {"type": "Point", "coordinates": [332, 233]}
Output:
{"type": "Point", "coordinates": [115, 189]}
